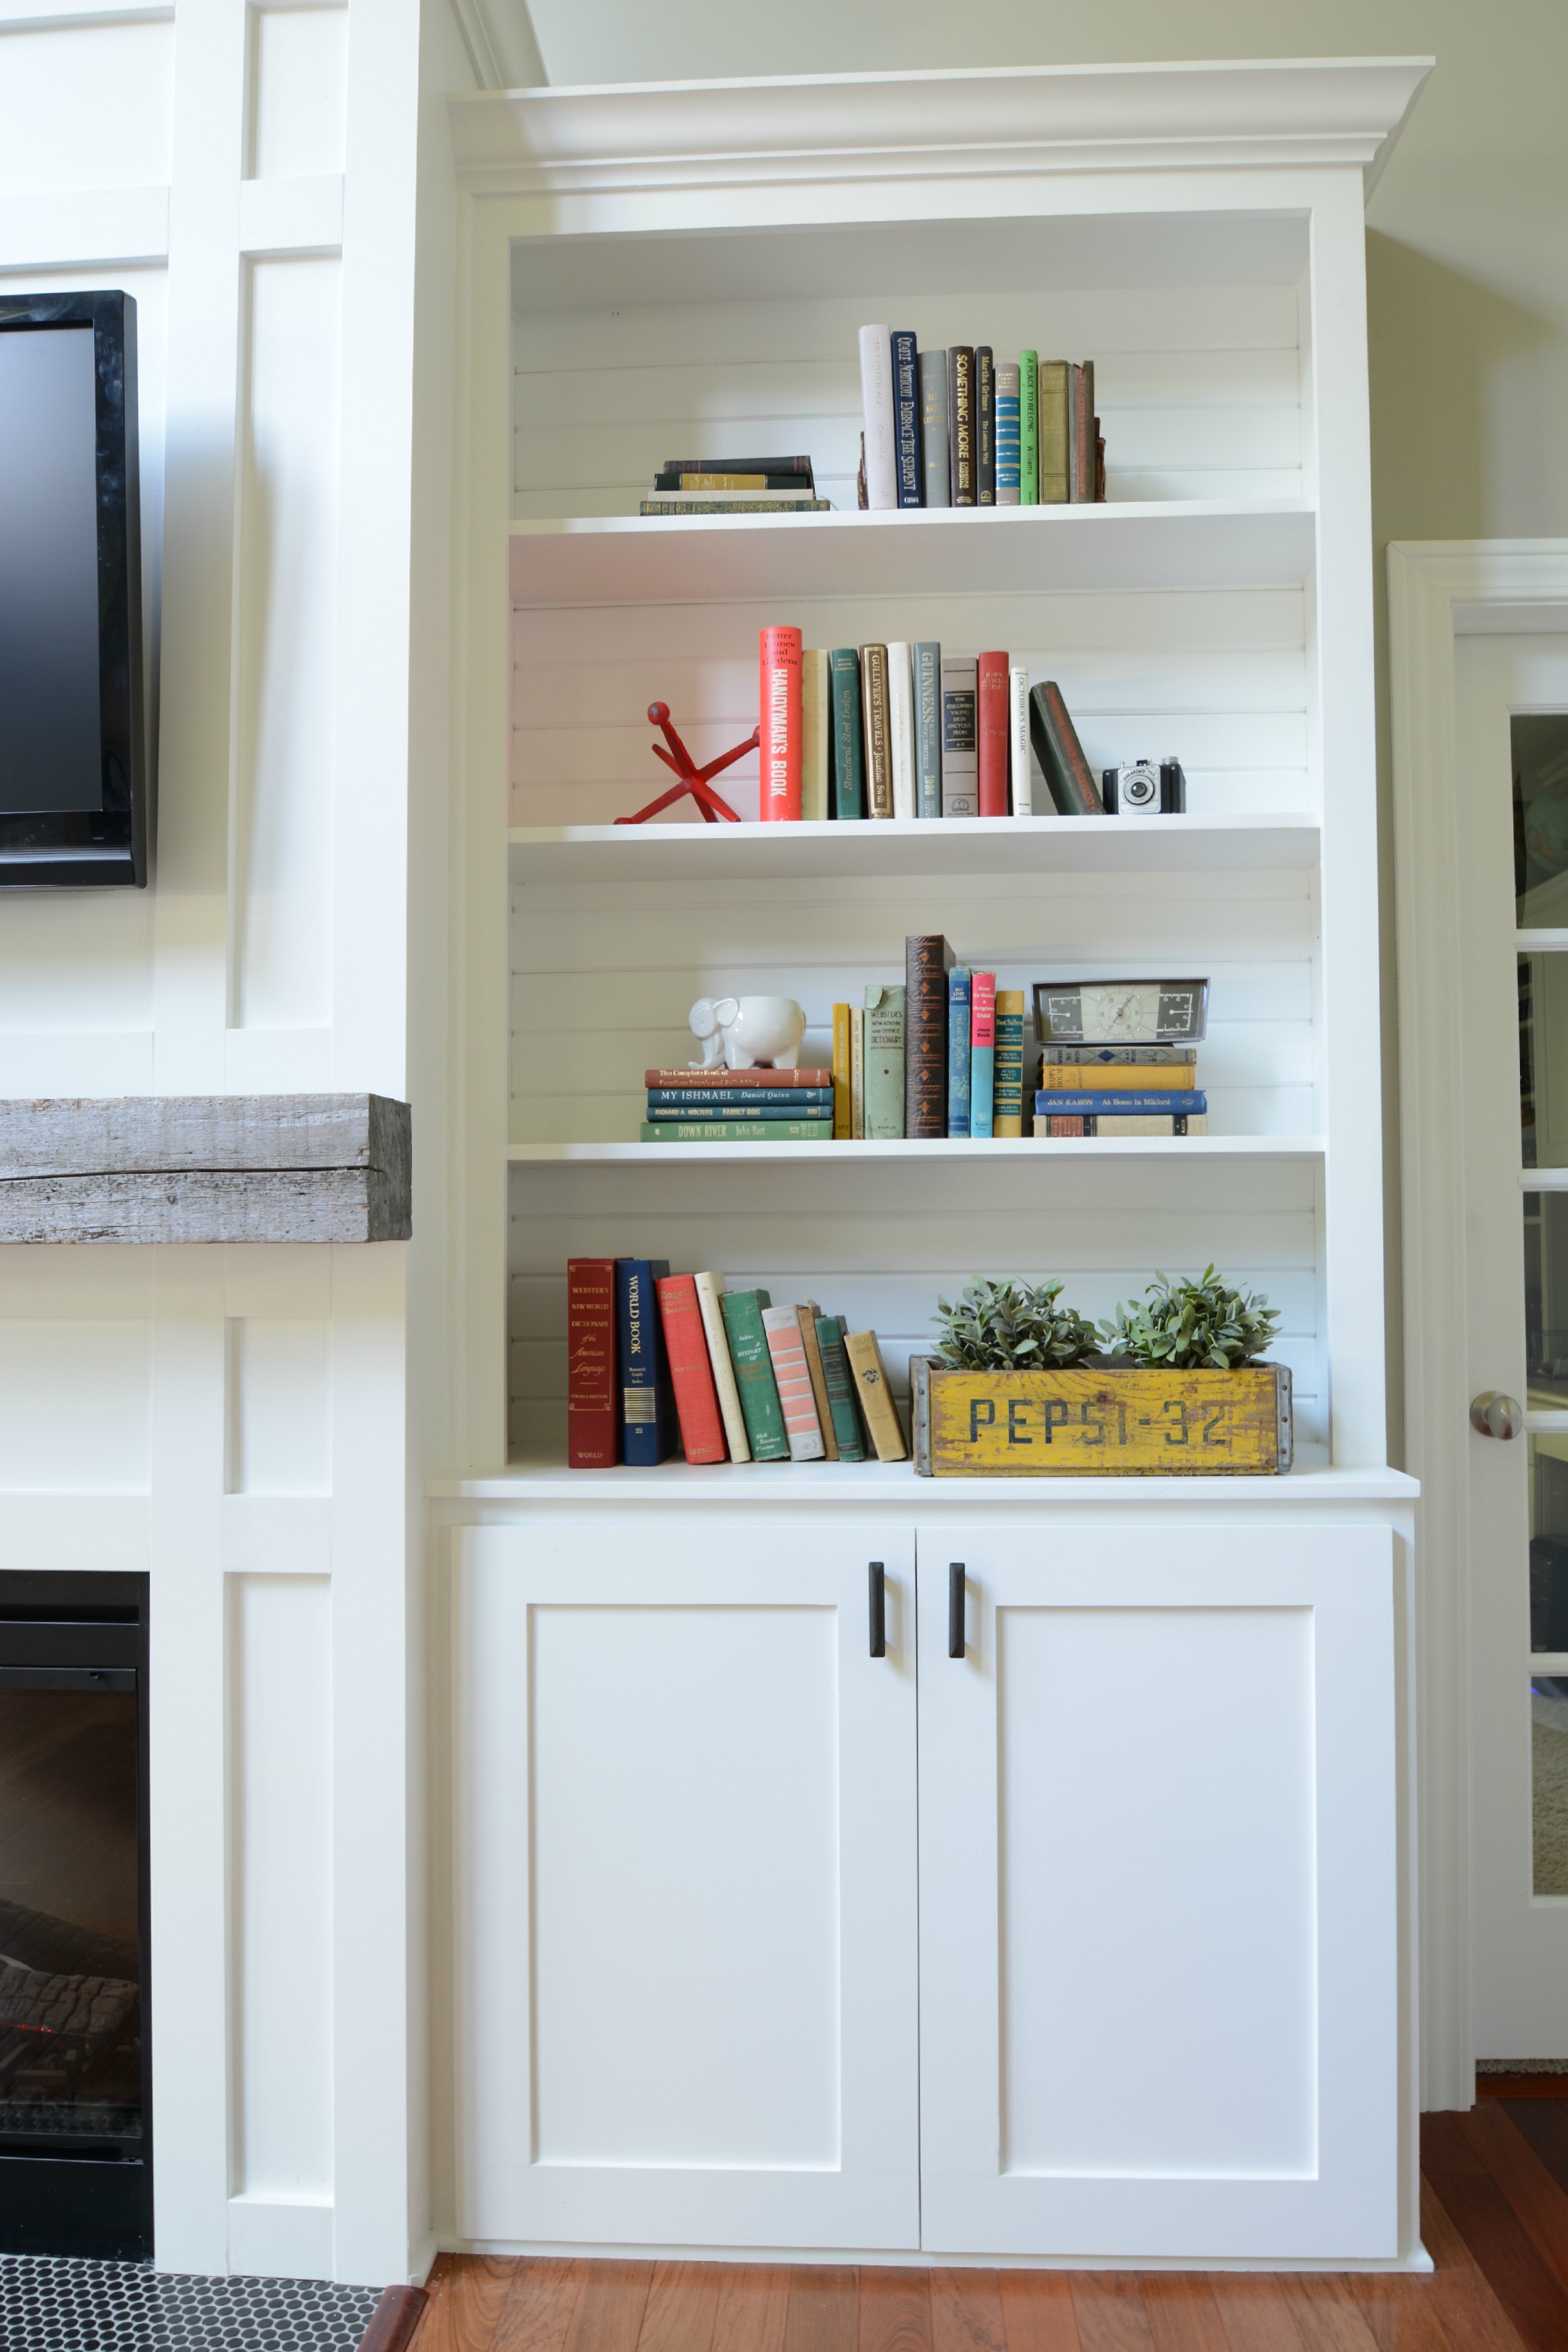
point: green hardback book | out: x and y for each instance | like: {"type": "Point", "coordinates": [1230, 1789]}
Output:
{"type": "Point", "coordinates": [1028, 429]}
{"type": "Point", "coordinates": [840, 1387]}
{"type": "Point", "coordinates": [740, 1130]}
{"type": "Point", "coordinates": [753, 1365]}
{"type": "Point", "coordinates": [884, 1061]}
{"type": "Point", "coordinates": [1053, 432]}
{"type": "Point", "coordinates": [848, 760]}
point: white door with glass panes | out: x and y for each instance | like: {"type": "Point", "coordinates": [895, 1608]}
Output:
{"type": "Point", "coordinates": [1511, 1067]}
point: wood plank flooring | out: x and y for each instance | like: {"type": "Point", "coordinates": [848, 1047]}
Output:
{"type": "Point", "coordinates": [1494, 2220]}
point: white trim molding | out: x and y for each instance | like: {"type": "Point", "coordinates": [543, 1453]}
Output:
{"type": "Point", "coordinates": [1050, 119]}
{"type": "Point", "coordinates": [1439, 592]}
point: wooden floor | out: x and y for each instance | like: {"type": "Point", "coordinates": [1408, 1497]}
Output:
{"type": "Point", "coordinates": [1494, 2220]}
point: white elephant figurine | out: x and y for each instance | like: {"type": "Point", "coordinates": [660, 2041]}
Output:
{"type": "Point", "coordinates": [747, 1033]}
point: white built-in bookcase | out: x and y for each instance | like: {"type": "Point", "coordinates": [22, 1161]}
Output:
{"type": "Point", "coordinates": [681, 271]}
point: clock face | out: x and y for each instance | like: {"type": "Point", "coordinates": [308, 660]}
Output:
{"type": "Point", "coordinates": [1116, 1014]}
{"type": "Point", "coordinates": [1121, 1012]}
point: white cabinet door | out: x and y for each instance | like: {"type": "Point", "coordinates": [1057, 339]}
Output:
{"type": "Point", "coordinates": [688, 1985]}
{"type": "Point", "coordinates": [1158, 1996]}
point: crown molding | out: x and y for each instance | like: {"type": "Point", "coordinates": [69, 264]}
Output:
{"type": "Point", "coordinates": [1343, 111]}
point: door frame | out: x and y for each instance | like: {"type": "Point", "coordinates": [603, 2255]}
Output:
{"type": "Point", "coordinates": [1440, 591]}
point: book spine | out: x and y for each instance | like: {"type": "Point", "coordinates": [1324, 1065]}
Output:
{"type": "Point", "coordinates": [958, 1052]}
{"type": "Point", "coordinates": [840, 1383]}
{"type": "Point", "coordinates": [857, 1074]}
{"type": "Point", "coordinates": [1009, 437]}
{"type": "Point", "coordinates": [691, 1081]}
{"type": "Point", "coordinates": [1080, 425]}
{"type": "Point", "coordinates": [779, 752]}
{"type": "Point", "coordinates": [796, 467]}
{"type": "Point", "coordinates": [928, 728]}
{"type": "Point", "coordinates": [961, 426]}
{"type": "Point", "coordinates": [902, 730]}
{"type": "Point", "coordinates": [1137, 1077]}
{"type": "Point", "coordinates": [960, 780]}
{"type": "Point", "coordinates": [984, 427]}
{"type": "Point", "coordinates": [1028, 429]}
{"type": "Point", "coordinates": [991, 733]}
{"type": "Point", "coordinates": [1114, 1061]}
{"type": "Point", "coordinates": [1007, 1113]}
{"type": "Point", "coordinates": [593, 1411]}
{"type": "Point", "coordinates": [843, 1077]}
{"type": "Point", "coordinates": [805, 1316]}
{"type": "Point", "coordinates": [758, 1105]}
{"type": "Point", "coordinates": [907, 418]}
{"type": "Point", "coordinates": [705, 483]}
{"type": "Point", "coordinates": [848, 760]}
{"type": "Point", "coordinates": [927, 960]}
{"type": "Point", "coordinates": [874, 1395]}
{"type": "Point", "coordinates": [876, 415]}
{"type": "Point", "coordinates": [1070, 1123]}
{"type": "Point", "coordinates": [791, 1378]}
{"type": "Point", "coordinates": [1060, 754]}
{"type": "Point", "coordinates": [1020, 774]}
{"type": "Point", "coordinates": [935, 484]}
{"type": "Point", "coordinates": [1053, 425]}
{"type": "Point", "coordinates": [874, 713]}
{"type": "Point", "coordinates": [690, 1372]}
{"type": "Point", "coordinates": [884, 1061]}
{"type": "Point", "coordinates": [693, 506]}
{"type": "Point", "coordinates": [1130, 1103]}
{"type": "Point", "coordinates": [737, 1131]}
{"type": "Point", "coordinates": [1099, 464]}
{"type": "Point", "coordinates": [749, 1353]}
{"type": "Point", "coordinates": [709, 1292]}
{"type": "Point", "coordinates": [981, 1053]}
{"type": "Point", "coordinates": [815, 733]}
{"type": "Point", "coordinates": [645, 1380]}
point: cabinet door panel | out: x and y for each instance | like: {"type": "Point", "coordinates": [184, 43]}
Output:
{"type": "Point", "coordinates": [687, 1823]}
{"type": "Point", "coordinates": [1158, 1895]}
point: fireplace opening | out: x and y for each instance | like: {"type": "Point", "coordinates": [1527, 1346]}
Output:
{"type": "Point", "coordinates": [76, 2151]}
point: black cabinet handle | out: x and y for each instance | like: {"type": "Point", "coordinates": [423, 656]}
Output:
{"type": "Point", "coordinates": [878, 1583]}
{"type": "Point", "coordinates": [955, 1609]}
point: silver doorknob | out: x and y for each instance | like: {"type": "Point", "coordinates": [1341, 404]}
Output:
{"type": "Point", "coordinates": [1492, 1415]}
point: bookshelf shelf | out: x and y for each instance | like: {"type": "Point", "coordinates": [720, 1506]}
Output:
{"type": "Point", "coordinates": [1135, 543]}
{"type": "Point", "coordinates": [833, 1159]}
{"type": "Point", "coordinates": [1264, 843]}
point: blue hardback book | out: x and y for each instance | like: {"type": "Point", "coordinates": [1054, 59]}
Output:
{"type": "Point", "coordinates": [1133, 1106]}
{"type": "Point", "coordinates": [906, 419]}
{"type": "Point", "coordinates": [933, 428]}
{"type": "Point", "coordinates": [647, 1402]}
{"type": "Point", "coordinates": [848, 758]}
{"type": "Point", "coordinates": [928, 728]}
{"type": "Point", "coordinates": [958, 1051]}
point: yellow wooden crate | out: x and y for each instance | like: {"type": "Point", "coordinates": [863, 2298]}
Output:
{"type": "Point", "coordinates": [1094, 1422]}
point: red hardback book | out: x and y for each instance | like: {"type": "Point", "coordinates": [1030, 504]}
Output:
{"type": "Point", "coordinates": [991, 734]}
{"type": "Point", "coordinates": [780, 722]}
{"type": "Point", "coordinates": [690, 1372]}
{"type": "Point", "coordinates": [593, 1405]}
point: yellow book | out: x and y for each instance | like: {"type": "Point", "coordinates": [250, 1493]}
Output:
{"type": "Point", "coordinates": [1007, 1116]}
{"type": "Point", "coordinates": [841, 1074]}
{"type": "Point", "coordinates": [815, 731]}
{"type": "Point", "coordinates": [1053, 429]}
{"type": "Point", "coordinates": [1126, 1078]}
{"type": "Point", "coordinates": [876, 1399]}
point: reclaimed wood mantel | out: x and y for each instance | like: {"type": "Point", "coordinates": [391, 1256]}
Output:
{"type": "Point", "coordinates": [205, 1168]}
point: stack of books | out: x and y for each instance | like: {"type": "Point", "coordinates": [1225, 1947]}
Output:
{"type": "Point", "coordinates": [962, 428]}
{"type": "Point", "coordinates": [911, 731]}
{"type": "Point", "coordinates": [738, 1107]}
{"type": "Point", "coordinates": [940, 1057]}
{"type": "Point", "coordinates": [1121, 1090]}
{"type": "Point", "coordinates": [707, 485]}
{"type": "Point", "coordinates": [654, 1360]}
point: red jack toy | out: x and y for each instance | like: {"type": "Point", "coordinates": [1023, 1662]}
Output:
{"type": "Point", "coordinates": [694, 781]}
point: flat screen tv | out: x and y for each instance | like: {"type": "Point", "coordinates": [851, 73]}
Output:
{"type": "Point", "coordinates": [73, 789]}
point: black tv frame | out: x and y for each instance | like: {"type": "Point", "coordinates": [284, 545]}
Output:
{"type": "Point", "coordinates": [79, 849]}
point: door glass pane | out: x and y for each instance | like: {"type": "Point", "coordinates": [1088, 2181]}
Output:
{"type": "Point", "coordinates": [1540, 746]}
{"type": "Point", "coordinates": [1548, 1781]}
{"type": "Point", "coordinates": [1544, 1060]}
{"type": "Point", "coordinates": [1549, 1541]}
{"type": "Point", "coordinates": [1546, 1301]}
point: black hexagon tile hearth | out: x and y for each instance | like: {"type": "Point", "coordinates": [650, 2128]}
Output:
{"type": "Point", "coordinates": [52, 2304]}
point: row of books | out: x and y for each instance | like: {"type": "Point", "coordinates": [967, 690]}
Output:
{"type": "Point", "coordinates": [654, 1360]}
{"type": "Point", "coordinates": [962, 428]}
{"type": "Point", "coordinates": [722, 1106]}
{"type": "Point", "coordinates": [908, 730]}
{"type": "Point", "coordinates": [735, 486]}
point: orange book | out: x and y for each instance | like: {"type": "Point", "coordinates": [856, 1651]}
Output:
{"type": "Point", "coordinates": [780, 725]}
{"type": "Point", "coordinates": [690, 1372]}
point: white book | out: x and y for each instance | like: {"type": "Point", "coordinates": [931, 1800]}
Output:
{"type": "Point", "coordinates": [816, 734]}
{"type": "Point", "coordinates": [902, 730]}
{"type": "Point", "coordinates": [709, 1291]}
{"type": "Point", "coordinates": [876, 414]}
{"type": "Point", "coordinates": [1020, 774]}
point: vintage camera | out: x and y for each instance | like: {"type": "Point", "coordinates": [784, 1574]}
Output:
{"type": "Point", "coordinates": [1139, 788]}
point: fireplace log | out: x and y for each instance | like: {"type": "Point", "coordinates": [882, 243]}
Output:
{"type": "Point", "coordinates": [205, 1168]}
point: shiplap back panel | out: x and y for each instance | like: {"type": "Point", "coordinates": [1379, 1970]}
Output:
{"type": "Point", "coordinates": [1198, 388]}
{"type": "Point", "coordinates": [1220, 677]}
{"type": "Point", "coordinates": [879, 1243]}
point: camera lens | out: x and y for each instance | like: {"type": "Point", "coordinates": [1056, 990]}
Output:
{"type": "Point", "coordinates": [1138, 791]}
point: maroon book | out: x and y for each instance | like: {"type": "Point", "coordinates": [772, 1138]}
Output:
{"type": "Point", "coordinates": [593, 1418]}
{"type": "Point", "coordinates": [991, 734]}
{"type": "Point", "coordinates": [928, 959]}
